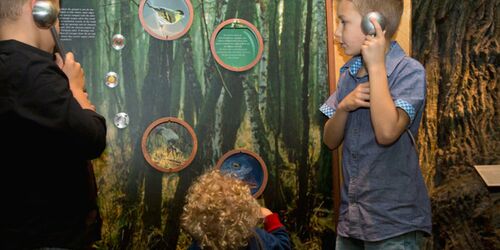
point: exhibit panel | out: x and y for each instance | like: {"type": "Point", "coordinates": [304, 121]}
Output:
{"type": "Point", "coordinates": [188, 86]}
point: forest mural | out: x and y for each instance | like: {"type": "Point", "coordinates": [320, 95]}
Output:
{"type": "Point", "coordinates": [272, 110]}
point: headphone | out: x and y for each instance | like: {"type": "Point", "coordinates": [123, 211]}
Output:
{"type": "Point", "coordinates": [45, 14]}
{"type": "Point", "coordinates": [368, 27]}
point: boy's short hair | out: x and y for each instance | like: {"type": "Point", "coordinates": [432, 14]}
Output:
{"type": "Point", "coordinates": [390, 9]}
{"type": "Point", "coordinates": [10, 9]}
{"type": "Point", "coordinates": [220, 212]}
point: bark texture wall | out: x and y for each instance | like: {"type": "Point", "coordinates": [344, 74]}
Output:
{"type": "Point", "coordinates": [458, 43]}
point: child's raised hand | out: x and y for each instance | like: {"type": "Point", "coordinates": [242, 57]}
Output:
{"type": "Point", "coordinates": [373, 49]}
{"type": "Point", "coordinates": [76, 77]}
{"type": "Point", "coordinates": [265, 212]}
{"type": "Point", "coordinates": [358, 98]}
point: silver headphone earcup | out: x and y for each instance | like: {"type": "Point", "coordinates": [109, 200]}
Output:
{"type": "Point", "coordinates": [45, 14]}
{"type": "Point", "coordinates": [368, 27]}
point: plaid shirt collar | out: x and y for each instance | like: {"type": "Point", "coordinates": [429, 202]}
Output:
{"type": "Point", "coordinates": [393, 57]}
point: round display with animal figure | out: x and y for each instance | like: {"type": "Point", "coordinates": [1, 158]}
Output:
{"type": "Point", "coordinates": [166, 20]}
{"type": "Point", "coordinates": [247, 166]}
{"type": "Point", "coordinates": [169, 144]}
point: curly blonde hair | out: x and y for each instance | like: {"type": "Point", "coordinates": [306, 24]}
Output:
{"type": "Point", "coordinates": [220, 212]}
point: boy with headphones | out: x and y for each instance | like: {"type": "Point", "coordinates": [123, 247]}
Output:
{"type": "Point", "coordinates": [49, 131]}
{"type": "Point", "coordinates": [374, 112]}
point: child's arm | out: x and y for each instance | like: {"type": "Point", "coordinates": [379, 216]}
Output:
{"type": "Point", "coordinates": [277, 236]}
{"type": "Point", "coordinates": [388, 121]}
{"type": "Point", "coordinates": [333, 133]}
{"type": "Point", "coordinates": [76, 78]}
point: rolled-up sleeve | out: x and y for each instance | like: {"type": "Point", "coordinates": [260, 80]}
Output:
{"type": "Point", "coordinates": [409, 89]}
{"type": "Point", "coordinates": [330, 106]}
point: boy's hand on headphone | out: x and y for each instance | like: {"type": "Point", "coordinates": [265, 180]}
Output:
{"type": "Point", "coordinates": [74, 72]}
{"type": "Point", "coordinates": [59, 60]}
{"type": "Point", "coordinates": [76, 77]}
{"type": "Point", "coordinates": [373, 49]}
{"type": "Point", "coordinates": [358, 98]}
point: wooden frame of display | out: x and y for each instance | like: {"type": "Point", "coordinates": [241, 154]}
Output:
{"type": "Point", "coordinates": [255, 156]}
{"type": "Point", "coordinates": [173, 37]}
{"type": "Point", "coordinates": [258, 37]}
{"type": "Point", "coordinates": [155, 124]}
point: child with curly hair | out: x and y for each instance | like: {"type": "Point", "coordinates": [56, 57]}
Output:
{"type": "Point", "coordinates": [221, 213]}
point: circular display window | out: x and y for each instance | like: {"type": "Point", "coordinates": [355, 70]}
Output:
{"type": "Point", "coordinates": [169, 144]}
{"type": "Point", "coordinates": [111, 79]}
{"type": "Point", "coordinates": [247, 166]}
{"type": "Point", "coordinates": [118, 42]}
{"type": "Point", "coordinates": [166, 20]}
{"type": "Point", "coordinates": [121, 120]}
{"type": "Point", "coordinates": [236, 45]}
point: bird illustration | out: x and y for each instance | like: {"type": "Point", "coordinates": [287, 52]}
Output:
{"type": "Point", "coordinates": [241, 168]}
{"type": "Point", "coordinates": [169, 138]}
{"type": "Point", "coordinates": [166, 15]}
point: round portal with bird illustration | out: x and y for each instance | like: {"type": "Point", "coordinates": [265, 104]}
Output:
{"type": "Point", "coordinates": [166, 20]}
{"type": "Point", "coordinates": [247, 166]}
{"type": "Point", "coordinates": [169, 144]}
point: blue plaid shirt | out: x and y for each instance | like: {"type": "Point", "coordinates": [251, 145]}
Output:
{"type": "Point", "coordinates": [383, 192]}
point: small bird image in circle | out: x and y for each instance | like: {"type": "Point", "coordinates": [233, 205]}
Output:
{"type": "Point", "coordinates": [166, 16]}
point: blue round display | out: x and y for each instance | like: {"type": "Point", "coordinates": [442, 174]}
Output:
{"type": "Point", "coordinates": [246, 168]}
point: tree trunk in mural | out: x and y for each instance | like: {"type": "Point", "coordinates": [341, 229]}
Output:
{"type": "Point", "coordinates": [128, 66]}
{"type": "Point", "coordinates": [273, 195]}
{"type": "Point", "coordinates": [303, 168]}
{"type": "Point", "coordinates": [193, 90]}
{"type": "Point", "coordinates": [156, 95]}
{"type": "Point", "coordinates": [192, 94]}
{"type": "Point", "coordinates": [290, 88]}
{"type": "Point", "coordinates": [131, 93]}
{"type": "Point", "coordinates": [457, 41]}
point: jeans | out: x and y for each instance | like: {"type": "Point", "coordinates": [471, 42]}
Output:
{"type": "Point", "coordinates": [408, 241]}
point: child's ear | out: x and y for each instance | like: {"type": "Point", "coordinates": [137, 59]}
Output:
{"type": "Point", "coordinates": [368, 27]}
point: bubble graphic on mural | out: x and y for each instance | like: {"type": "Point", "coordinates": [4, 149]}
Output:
{"type": "Point", "coordinates": [111, 79]}
{"type": "Point", "coordinates": [121, 120]}
{"type": "Point", "coordinates": [118, 42]}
